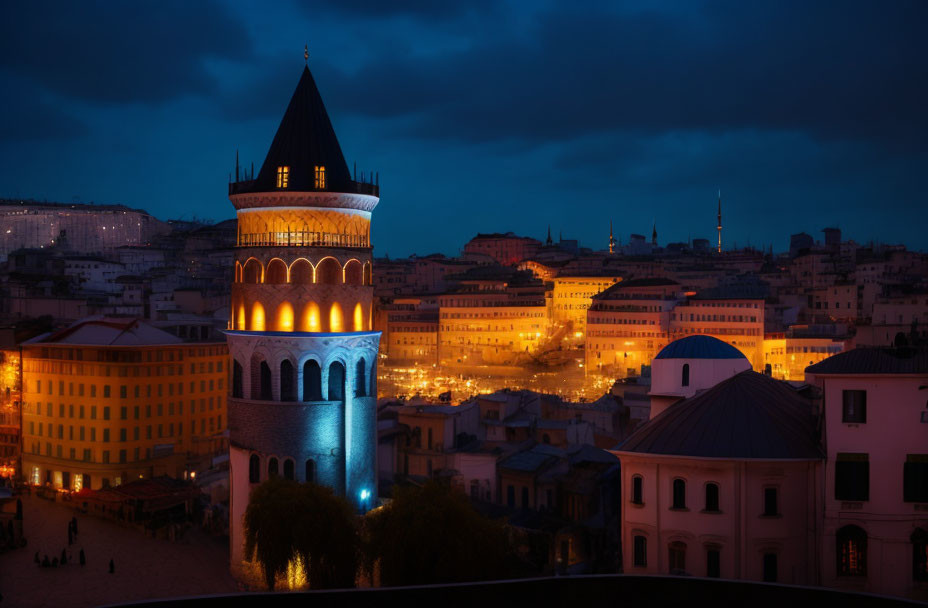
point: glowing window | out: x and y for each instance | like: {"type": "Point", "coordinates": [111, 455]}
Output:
{"type": "Point", "coordinates": [320, 177]}
{"type": "Point", "coordinates": [283, 177]}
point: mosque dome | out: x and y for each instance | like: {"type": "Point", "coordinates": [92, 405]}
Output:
{"type": "Point", "coordinates": [699, 347]}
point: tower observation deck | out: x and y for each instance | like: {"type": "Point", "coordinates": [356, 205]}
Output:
{"type": "Point", "coordinates": [303, 390]}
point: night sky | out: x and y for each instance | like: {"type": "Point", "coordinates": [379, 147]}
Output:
{"type": "Point", "coordinates": [489, 116]}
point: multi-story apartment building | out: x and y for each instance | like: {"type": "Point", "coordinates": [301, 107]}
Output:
{"type": "Point", "coordinates": [737, 321]}
{"type": "Point", "coordinates": [506, 249]}
{"type": "Point", "coordinates": [875, 527]}
{"type": "Point", "coordinates": [496, 320]}
{"type": "Point", "coordinates": [572, 295]}
{"type": "Point", "coordinates": [789, 354]}
{"type": "Point", "coordinates": [109, 400]}
{"type": "Point", "coordinates": [629, 323]}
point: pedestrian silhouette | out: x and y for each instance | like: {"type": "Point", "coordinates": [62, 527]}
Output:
{"type": "Point", "coordinates": [81, 557]}
{"type": "Point", "coordinates": [112, 566]}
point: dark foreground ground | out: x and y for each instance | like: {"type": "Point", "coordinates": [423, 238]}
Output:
{"type": "Point", "coordinates": [573, 592]}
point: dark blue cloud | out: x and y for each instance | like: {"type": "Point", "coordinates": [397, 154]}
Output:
{"type": "Point", "coordinates": [120, 52]}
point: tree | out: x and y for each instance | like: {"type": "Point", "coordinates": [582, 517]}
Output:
{"type": "Point", "coordinates": [286, 520]}
{"type": "Point", "coordinates": [432, 535]}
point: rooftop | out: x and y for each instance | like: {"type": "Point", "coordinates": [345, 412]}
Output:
{"type": "Point", "coordinates": [750, 415]}
{"type": "Point", "coordinates": [868, 360]}
{"type": "Point", "coordinates": [102, 331]}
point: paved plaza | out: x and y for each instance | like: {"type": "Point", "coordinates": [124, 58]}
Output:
{"type": "Point", "coordinates": [145, 567]}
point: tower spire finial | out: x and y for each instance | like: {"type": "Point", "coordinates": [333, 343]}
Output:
{"type": "Point", "coordinates": [611, 239]}
{"type": "Point", "coordinates": [306, 53]}
{"type": "Point", "coordinates": [720, 221]}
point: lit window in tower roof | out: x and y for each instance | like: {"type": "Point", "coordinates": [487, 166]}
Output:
{"type": "Point", "coordinates": [320, 177]}
{"type": "Point", "coordinates": [283, 177]}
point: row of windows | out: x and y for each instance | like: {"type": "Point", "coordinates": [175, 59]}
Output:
{"type": "Point", "coordinates": [261, 385]}
{"type": "Point", "coordinates": [273, 469]}
{"type": "Point", "coordinates": [106, 390]}
{"type": "Point", "coordinates": [711, 502]}
{"type": "Point", "coordinates": [123, 356]}
{"type": "Point", "coordinates": [80, 410]}
{"type": "Point", "coordinates": [852, 477]}
{"type": "Point", "coordinates": [65, 368]}
{"type": "Point", "coordinates": [163, 429]}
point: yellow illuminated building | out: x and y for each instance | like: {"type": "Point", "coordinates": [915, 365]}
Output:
{"type": "Point", "coordinates": [106, 401]}
{"type": "Point", "coordinates": [788, 356]}
{"type": "Point", "coordinates": [571, 297]}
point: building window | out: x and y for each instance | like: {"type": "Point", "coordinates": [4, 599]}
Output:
{"type": "Point", "coordinates": [283, 177]}
{"type": "Point", "coordinates": [851, 551]}
{"type": "Point", "coordinates": [770, 502]}
{"type": "Point", "coordinates": [686, 374]}
{"type": "Point", "coordinates": [915, 478]}
{"type": "Point", "coordinates": [919, 540]}
{"type": "Point", "coordinates": [641, 551]}
{"type": "Point", "coordinates": [287, 381]}
{"type": "Point", "coordinates": [272, 470]}
{"type": "Point", "coordinates": [312, 381]}
{"type": "Point", "coordinates": [336, 381]}
{"type": "Point", "coordinates": [712, 497]}
{"type": "Point", "coordinates": [360, 384]}
{"type": "Point", "coordinates": [637, 490]}
{"type": "Point", "coordinates": [770, 567]}
{"type": "Point", "coordinates": [510, 496]}
{"type": "Point", "coordinates": [679, 494]}
{"type": "Point", "coordinates": [713, 562]}
{"type": "Point", "coordinates": [310, 471]}
{"type": "Point", "coordinates": [236, 380]}
{"type": "Point", "coordinates": [320, 177]}
{"type": "Point", "coordinates": [854, 406]}
{"type": "Point", "coordinates": [254, 469]}
{"type": "Point", "coordinates": [852, 477]}
{"type": "Point", "coordinates": [677, 557]}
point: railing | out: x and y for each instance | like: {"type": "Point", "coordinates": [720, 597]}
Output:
{"type": "Point", "coordinates": [302, 239]}
{"type": "Point", "coordinates": [348, 187]}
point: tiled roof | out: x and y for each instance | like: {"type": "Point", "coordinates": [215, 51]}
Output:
{"type": "Point", "coordinates": [868, 360]}
{"type": "Point", "coordinates": [699, 347]}
{"type": "Point", "coordinates": [109, 332]}
{"type": "Point", "coordinates": [750, 415]}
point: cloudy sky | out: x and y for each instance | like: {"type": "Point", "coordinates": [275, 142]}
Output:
{"type": "Point", "coordinates": [490, 116]}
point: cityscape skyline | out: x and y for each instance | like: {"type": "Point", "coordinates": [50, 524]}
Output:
{"type": "Point", "coordinates": [802, 129]}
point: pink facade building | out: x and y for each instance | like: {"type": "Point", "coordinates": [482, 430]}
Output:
{"type": "Point", "coordinates": [875, 490]}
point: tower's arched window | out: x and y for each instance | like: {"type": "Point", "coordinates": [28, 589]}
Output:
{"type": "Point", "coordinates": [310, 471]}
{"type": "Point", "coordinates": [312, 381]}
{"type": "Point", "coordinates": [354, 273]}
{"type": "Point", "coordinates": [276, 273]}
{"type": "Point", "coordinates": [360, 384]}
{"type": "Point", "coordinates": [253, 272]}
{"type": "Point", "coordinates": [686, 374]}
{"type": "Point", "coordinates": [254, 469]}
{"type": "Point", "coordinates": [266, 394]}
{"type": "Point", "coordinates": [301, 272]}
{"type": "Point", "coordinates": [320, 177]}
{"type": "Point", "coordinates": [258, 377]}
{"type": "Point", "coordinates": [288, 469]}
{"type": "Point", "coordinates": [329, 272]}
{"type": "Point", "coordinates": [287, 381]}
{"type": "Point", "coordinates": [851, 551]}
{"type": "Point", "coordinates": [272, 470]}
{"type": "Point", "coordinates": [336, 381]}
{"type": "Point", "coordinates": [236, 379]}
{"type": "Point", "coordinates": [283, 177]}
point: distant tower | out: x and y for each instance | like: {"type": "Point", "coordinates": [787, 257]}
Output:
{"type": "Point", "coordinates": [549, 242]}
{"type": "Point", "coordinates": [654, 234]}
{"type": "Point", "coordinates": [720, 222]}
{"type": "Point", "coordinates": [611, 239]}
{"type": "Point", "coordinates": [303, 355]}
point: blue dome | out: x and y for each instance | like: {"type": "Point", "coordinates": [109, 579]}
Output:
{"type": "Point", "coordinates": [699, 347]}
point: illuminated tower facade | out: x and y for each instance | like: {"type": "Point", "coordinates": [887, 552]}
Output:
{"type": "Point", "coordinates": [303, 355]}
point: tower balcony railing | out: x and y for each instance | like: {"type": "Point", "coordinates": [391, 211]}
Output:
{"type": "Point", "coordinates": [364, 186]}
{"type": "Point", "coordinates": [302, 239]}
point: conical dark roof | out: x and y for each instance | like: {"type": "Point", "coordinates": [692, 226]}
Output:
{"type": "Point", "coordinates": [305, 139]}
{"type": "Point", "coordinates": [747, 416]}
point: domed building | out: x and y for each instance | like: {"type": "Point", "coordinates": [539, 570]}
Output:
{"type": "Point", "coordinates": [726, 483]}
{"type": "Point", "coordinates": [690, 365]}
